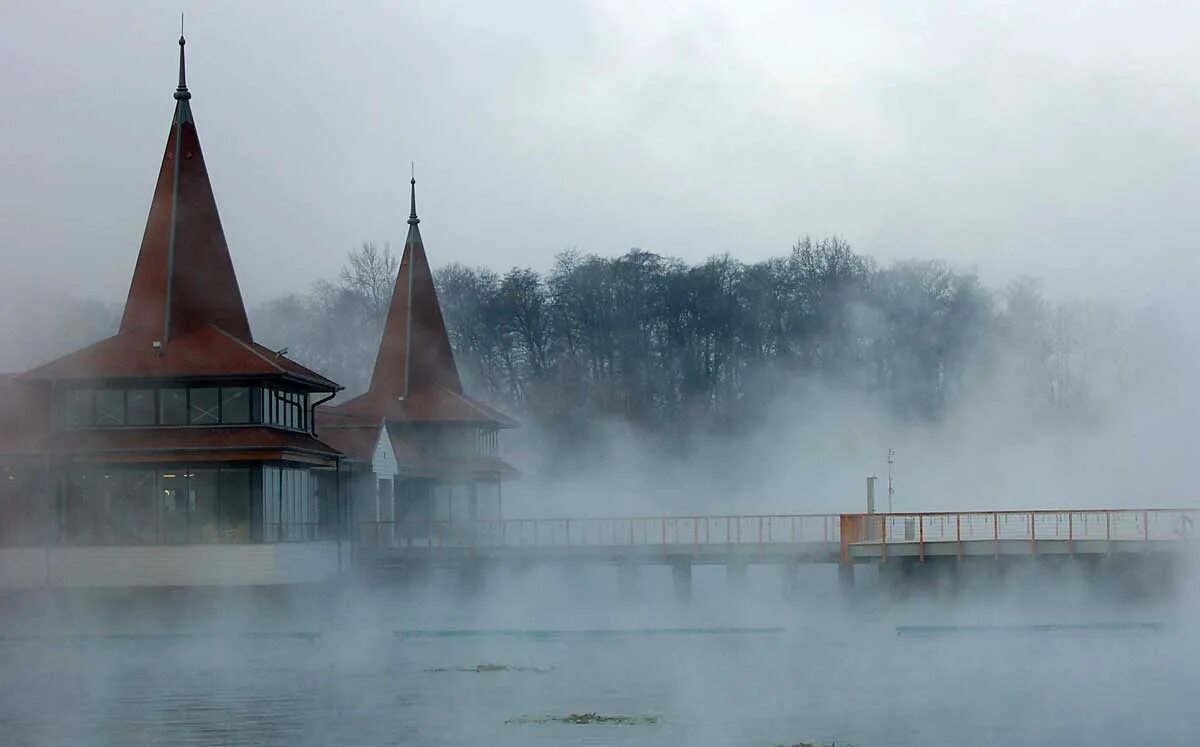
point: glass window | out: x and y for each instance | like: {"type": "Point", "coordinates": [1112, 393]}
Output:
{"type": "Point", "coordinates": [290, 510]}
{"type": "Point", "coordinates": [166, 505]}
{"type": "Point", "coordinates": [129, 503]}
{"type": "Point", "coordinates": [79, 408]}
{"type": "Point", "coordinates": [172, 495]}
{"type": "Point", "coordinates": [270, 498]}
{"type": "Point", "coordinates": [203, 490]}
{"type": "Point", "coordinates": [110, 407]}
{"type": "Point", "coordinates": [268, 406]}
{"type": "Point", "coordinates": [82, 516]}
{"type": "Point", "coordinates": [285, 409]}
{"type": "Point", "coordinates": [234, 509]}
{"type": "Point", "coordinates": [172, 406]}
{"type": "Point", "coordinates": [22, 507]}
{"type": "Point", "coordinates": [325, 492]}
{"type": "Point", "coordinates": [204, 404]}
{"type": "Point", "coordinates": [440, 499]}
{"type": "Point", "coordinates": [139, 407]}
{"type": "Point", "coordinates": [235, 404]}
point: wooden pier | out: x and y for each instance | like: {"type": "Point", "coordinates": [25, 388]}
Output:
{"type": "Point", "coordinates": [786, 540]}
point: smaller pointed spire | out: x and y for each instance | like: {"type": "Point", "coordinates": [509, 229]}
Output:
{"type": "Point", "coordinates": [182, 93]}
{"type": "Point", "coordinates": [412, 213]}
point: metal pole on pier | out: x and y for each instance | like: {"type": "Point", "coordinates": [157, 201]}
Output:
{"type": "Point", "coordinates": [891, 482]}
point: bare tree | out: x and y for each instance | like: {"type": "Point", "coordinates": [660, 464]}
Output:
{"type": "Point", "coordinates": [371, 273]}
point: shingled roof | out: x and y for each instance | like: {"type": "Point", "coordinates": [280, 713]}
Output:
{"type": "Point", "coordinates": [415, 377]}
{"type": "Point", "coordinates": [415, 380]}
{"type": "Point", "coordinates": [184, 314]}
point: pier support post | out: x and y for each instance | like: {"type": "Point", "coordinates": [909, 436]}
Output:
{"type": "Point", "coordinates": [948, 577]}
{"type": "Point", "coordinates": [471, 577]}
{"type": "Point", "coordinates": [735, 576]}
{"type": "Point", "coordinates": [681, 576]}
{"type": "Point", "coordinates": [520, 568]}
{"type": "Point", "coordinates": [627, 580]}
{"type": "Point", "coordinates": [846, 578]}
{"type": "Point", "coordinates": [791, 577]}
{"type": "Point", "coordinates": [894, 578]}
{"type": "Point", "coordinates": [416, 574]}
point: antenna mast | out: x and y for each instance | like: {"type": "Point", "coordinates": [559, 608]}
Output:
{"type": "Point", "coordinates": [891, 482]}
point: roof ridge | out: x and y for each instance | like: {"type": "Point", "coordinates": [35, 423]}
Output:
{"type": "Point", "coordinates": [482, 407]}
{"type": "Point", "coordinates": [250, 346]}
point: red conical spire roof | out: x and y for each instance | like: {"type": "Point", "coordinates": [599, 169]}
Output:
{"type": "Point", "coordinates": [184, 277]}
{"type": "Point", "coordinates": [414, 354]}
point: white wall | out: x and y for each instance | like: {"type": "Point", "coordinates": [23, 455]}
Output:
{"type": "Point", "coordinates": [191, 565]}
{"type": "Point", "coordinates": [384, 461]}
{"type": "Point", "coordinates": [22, 567]}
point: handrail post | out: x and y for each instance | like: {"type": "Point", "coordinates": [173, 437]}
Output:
{"type": "Point", "coordinates": [921, 536]}
{"type": "Point", "coordinates": [1108, 532]}
{"type": "Point", "coordinates": [958, 548]}
{"type": "Point", "coordinates": [1071, 534]}
{"type": "Point", "coordinates": [1145, 526]}
{"type": "Point", "coordinates": [1033, 533]}
{"type": "Point", "coordinates": [995, 536]}
{"type": "Point", "coordinates": [883, 538]}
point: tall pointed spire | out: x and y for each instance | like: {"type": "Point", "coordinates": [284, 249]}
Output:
{"type": "Point", "coordinates": [414, 354]}
{"type": "Point", "coordinates": [412, 212]}
{"type": "Point", "coordinates": [182, 93]}
{"type": "Point", "coordinates": [184, 278]}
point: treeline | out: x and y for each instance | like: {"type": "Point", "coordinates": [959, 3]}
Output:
{"type": "Point", "coordinates": [674, 348]}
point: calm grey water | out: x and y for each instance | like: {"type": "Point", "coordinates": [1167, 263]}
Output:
{"type": "Point", "coordinates": [826, 674]}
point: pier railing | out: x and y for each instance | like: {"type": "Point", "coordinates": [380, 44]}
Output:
{"type": "Point", "coordinates": [949, 532]}
{"type": "Point", "coordinates": [643, 531]}
{"type": "Point", "coordinates": [997, 527]}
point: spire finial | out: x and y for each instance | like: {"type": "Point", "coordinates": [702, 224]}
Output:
{"type": "Point", "coordinates": [182, 93]}
{"type": "Point", "coordinates": [412, 213]}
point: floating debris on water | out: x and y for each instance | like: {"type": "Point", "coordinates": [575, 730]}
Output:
{"type": "Point", "coordinates": [905, 631]}
{"type": "Point", "coordinates": [483, 668]}
{"type": "Point", "coordinates": [601, 633]}
{"type": "Point", "coordinates": [586, 718]}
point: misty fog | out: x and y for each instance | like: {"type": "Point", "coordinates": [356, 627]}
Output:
{"type": "Point", "coordinates": [716, 259]}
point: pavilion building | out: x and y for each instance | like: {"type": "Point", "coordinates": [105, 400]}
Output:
{"type": "Point", "coordinates": [422, 453]}
{"type": "Point", "coordinates": [178, 451]}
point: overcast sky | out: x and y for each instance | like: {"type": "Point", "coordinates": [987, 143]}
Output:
{"type": "Point", "coordinates": [1054, 138]}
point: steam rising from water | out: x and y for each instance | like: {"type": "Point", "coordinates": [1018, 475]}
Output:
{"type": "Point", "coordinates": [746, 669]}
